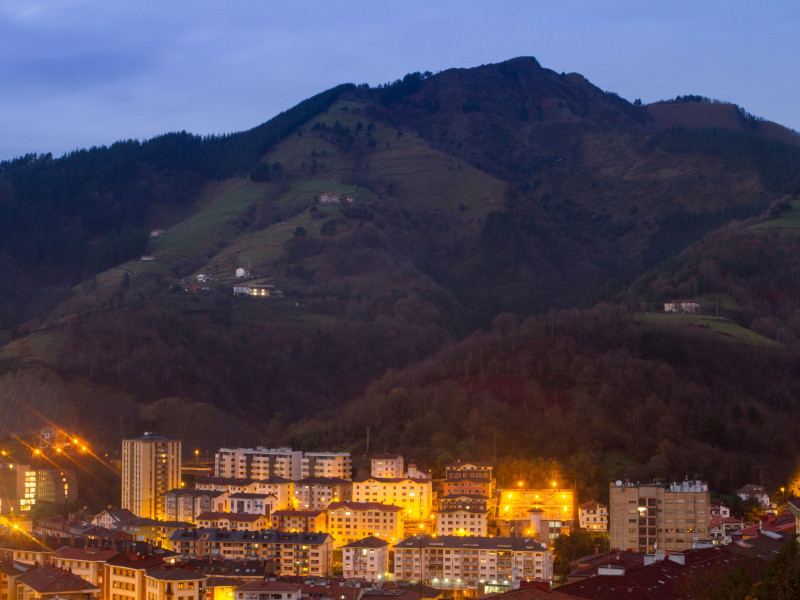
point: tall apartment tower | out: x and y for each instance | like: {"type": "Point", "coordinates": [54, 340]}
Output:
{"type": "Point", "coordinates": [670, 516]}
{"type": "Point", "coordinates": [151, 466]}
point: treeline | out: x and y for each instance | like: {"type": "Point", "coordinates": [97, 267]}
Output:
{"type": "Point", "coordinates": [579, 387]}
{"type": "Point", "coordinates": [681, 228]}
{"type": "Point", "coordinates": [63, 220]}
{"type": "Point", "coordinates": [777, 164]}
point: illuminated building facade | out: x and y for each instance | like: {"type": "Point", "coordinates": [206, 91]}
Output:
{"type": "Point", "coordinates": [453, 562]}
{"type": "Point", "coordinates": [366, 559]}
{"type": "Point", "coordinates": [413, 495]}
{"type": "Point", "coordinates": [386, 465]}
{"type": "Point", "coordinates": [352, 521]}
{"type": "Point", "coordinates": [151, 466]}
{"type": "Point", "coordinates": [316, 493]}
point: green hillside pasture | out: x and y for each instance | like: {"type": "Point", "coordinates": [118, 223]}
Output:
{"type": "Point", "coordinates": [720, 327]}
{"type": "Point", "coordinates": [209, 227]}
{"type": "Point", "coordinates": [789, 219]}
{"type": "Point", "coordinates": [308, 156]}
{"type": "Point", "coordinates": [249, 311]}
{"type": "Point", "coordinates": [726, 303]}
{"type": "Point", "coordinates": [39, 347]}
{"type": "Point", "coordinates": [428, 179]}
{"type": "Point", "coordinates": [415, 173]}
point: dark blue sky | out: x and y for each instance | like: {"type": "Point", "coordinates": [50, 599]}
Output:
{"type": "Point", "coordinates": [77, 73]}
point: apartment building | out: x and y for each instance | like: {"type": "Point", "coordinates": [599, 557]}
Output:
{"type": "Point", "coordinates": [258, 463]}
{"type": "Point", "coordinates": [462, 521]}
{"type": "Point", "coordinates": [181, 504]}
{"type": "Point", "coordinates": [300, 554]}
{"type": "Point", "coordinates": [475, 470]}
{"type": "Point", "coordinates": [266, 463]}
{"type": "Point", "coordinates": [124, 576]}
{"type": "Point", "coordinates": [593, 516]}
{"type": "Point", "coordinates": [151, 466]}
{"type": "Point", "coordinates": [366, 559]}
{"type": "Point", "coordinates": [171, 582]}
{"type": "Point", "coordinates": [352, 521]}
{"type": "Point", "coordinates": [327, 464]}
{"type": "Point", "coordinates": [245, 502]}
{"type": "Point", "coordinates": [87, 563]}
{"type": "Point", "coordinates": [316, 493]}
{"type": "Point", "coordinates": [673, 515]}
{"type": "Point", "coordinates": [413, 495]}
{"type": "Point", "coordinates": [268, 590]}
{"type": "Point", "coordinates": [233, 521]}
{"type": "Point", "coordinates": [386, 465]}
{"type": "Point", "coordinates": [458, 562]}
{"type": "Point", "coordinates": [281, 488]}
{"type": "Point", "coordinates": [300, 520]}
{"type": "Point", "coordinates": [464, 501]}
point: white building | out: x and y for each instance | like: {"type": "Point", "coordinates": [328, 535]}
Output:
{"type": "Point", "coordinates": [366, 559]}
{"type": "Point", "coordinates": [461, 521]}
{"type": "Point", "coordinates": [264, 463]}
{"type": "Point", "coordinates": [459, 562]}
{"type": "Point", "coordinates": [593, 516]}
{"type": "Point", "coordinates": [387, 465]}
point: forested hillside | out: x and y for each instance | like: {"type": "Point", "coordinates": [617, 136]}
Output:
{"type": "Point", "coordinates": [396, 222]}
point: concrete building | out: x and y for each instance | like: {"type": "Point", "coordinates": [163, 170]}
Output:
{"type": "Point", "coordinates": [299, 520]}
{"type": "Point", "coordinates": [181, 504]}
{"type": "Point", "coordinates": [268, 590]}
{"type": "Point", "coordinates": [298, 554]}
{"type": "Point", "coordinates": [462, 521]}
{"type": "Point", "coordinates": [151, 466]}
{"type": "Point", "coordinates": [453, 562]}
{"type": "Point", "coordinates": [352, 521]}
{"type": "Point", "coordinates": [327, 464]}
{"type": "Point", "coordinates": [413, 495]}
{"type": "Point", "coordinates": [593, 516]}
{"type": "Point", "coordinates": [233, 521]}
{"type": "Point", "coordinates": [673, 515]}
{"type": "Point", "coordinates": [245, 502]}
{"type": "Point", "coordinates": [316, 493]}
{"type": "Point", "coordinates": [171, 582]}
{"type": "Point", "coordinates": [366, 559]}
{"type": "Point", "coordinates": [386, 465]}
{"type": "Point", "coordinates": [266, 463]}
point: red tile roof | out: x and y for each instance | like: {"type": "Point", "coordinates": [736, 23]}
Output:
{"type": "Point", "coordinates": [48, 579]}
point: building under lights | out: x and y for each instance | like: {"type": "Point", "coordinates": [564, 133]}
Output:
{"type": "Point", "coordinates": [366, 559]}
{"type": "Point", "coordinates": [672, 516]}
{"type": "Point", "coordinates": [352, 521]}
{"type": "Point", "coordinates": [453, 562]}
{"type": "Point", "coordinates": [414, 495]}
{"type": "Point", "coordinates": [151, 466]}
{"type": "Point", "coordinates": [264, 463]}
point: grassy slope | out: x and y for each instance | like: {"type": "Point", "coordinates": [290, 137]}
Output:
{"type": "Point", "coordinates": [721, 328]}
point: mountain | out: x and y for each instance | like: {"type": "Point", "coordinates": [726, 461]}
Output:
{"type": "Point", "coordinates": [396, 221]}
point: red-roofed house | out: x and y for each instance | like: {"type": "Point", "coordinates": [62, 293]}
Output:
{"type": "Point", "coordinates": [233, 521]}
{"type": "Point", "coordinates": [84, 562]}
{"type": "Point", "coordinates": [268, 590]}
{"type": "Point", "coordinates": [299, 520]}
{"type": "Point", "coordinates": [48, 581]}
{"type": "Point", "coordinates": [170, 582]}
